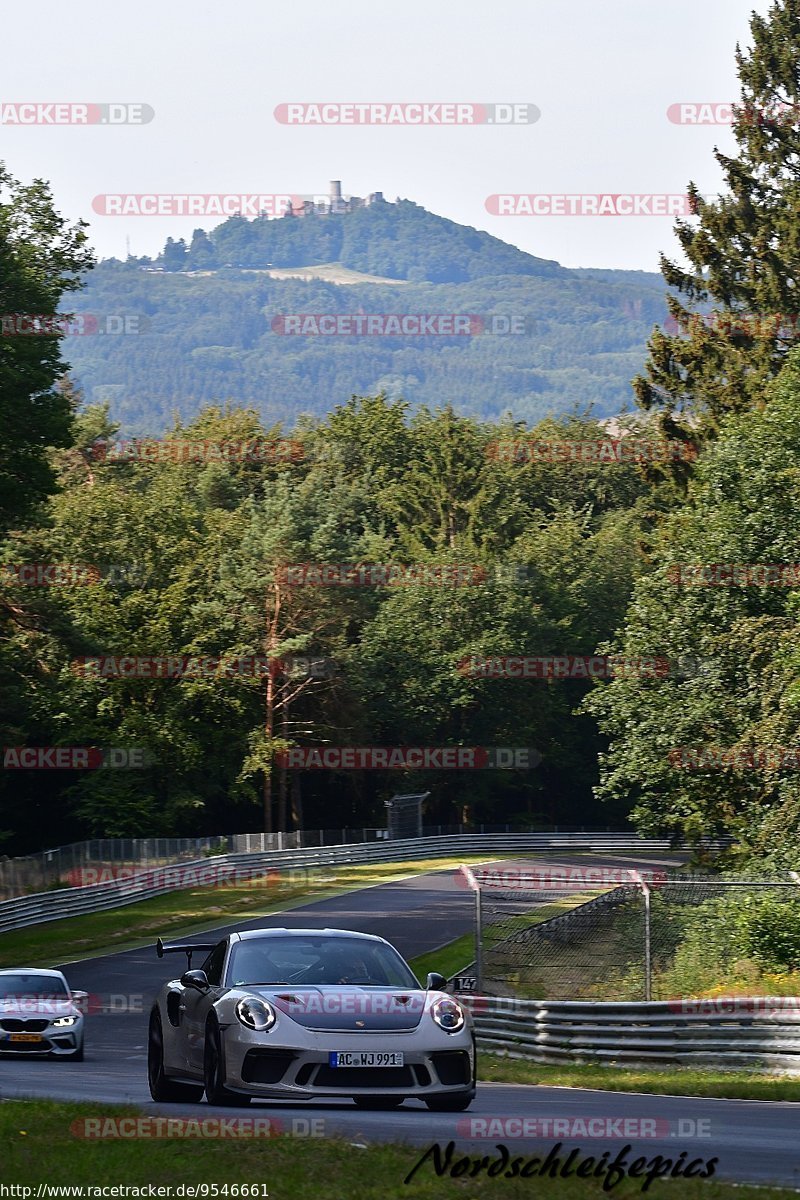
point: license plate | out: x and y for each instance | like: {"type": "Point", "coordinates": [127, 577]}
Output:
{"type": "Point", "coordinates": [25, 1037]}
{"type": "Point", "coordinates": [365, 1058]}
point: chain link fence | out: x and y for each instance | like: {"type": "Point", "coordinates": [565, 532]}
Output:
{"type": "Point", "coordinates": [633, 936]}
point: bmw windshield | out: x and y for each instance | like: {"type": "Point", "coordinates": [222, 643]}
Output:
{"type": "Point", "coordinates": [24, 986]}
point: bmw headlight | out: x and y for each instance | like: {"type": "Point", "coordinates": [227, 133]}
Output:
{"type": "Point", "coordinates": [448, 1014]}
{"type": "Point", "coordinates": [62, 1022]}
{"type": "Point", "coordinates": [256, 1014]}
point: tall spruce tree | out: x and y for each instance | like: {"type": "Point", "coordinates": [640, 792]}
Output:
{"type": "Point", "coordinates": [735, 309]}
{"type": "Point", "coordinates": [41, 259]}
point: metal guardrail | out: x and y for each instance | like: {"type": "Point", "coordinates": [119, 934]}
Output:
{"type": "Point", "coordinates": [70, 902]}
{"type": "Point", "coordinates": [734, 1033]}
{"type": "Point", "coordinates": [81, 863]}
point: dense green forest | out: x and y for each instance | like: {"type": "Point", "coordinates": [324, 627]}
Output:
{"type": "Point", "coordinates": [692, 562]}
{"type": "Point", "coordinates": [189, 559]}
{"type": "Point", "coordinates": [204, 323]}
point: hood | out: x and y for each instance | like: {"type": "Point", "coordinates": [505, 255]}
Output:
{"type": "Point", "coordinates": [36, 1006]}
{"type": "Point", "coordinates": [351, 1008]}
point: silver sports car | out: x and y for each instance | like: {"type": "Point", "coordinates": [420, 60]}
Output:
{"type": "Point", "coordinates": [301, 1014]}
{"type": "Point", "coordinates": [39, 1014]}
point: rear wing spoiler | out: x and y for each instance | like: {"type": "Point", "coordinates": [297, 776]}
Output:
{"type": "Point", "coordinates": [187, 948]}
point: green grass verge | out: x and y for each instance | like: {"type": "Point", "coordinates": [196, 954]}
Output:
{"type": "Point", "coordinates": [193, 910]}
{"type": "Point", "coordinates": [675, 1081]}
{"type": "Point", "coordinates": [447, 960]}
{"type": "Point", "coordinates": [39, 1147]}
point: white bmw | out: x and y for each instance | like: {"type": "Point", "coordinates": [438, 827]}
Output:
{"type": "Point", "coordinates": [39, 1014]}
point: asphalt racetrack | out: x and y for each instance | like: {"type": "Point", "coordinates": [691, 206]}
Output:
{"type": "Point", "coordinates": [755, 1141]}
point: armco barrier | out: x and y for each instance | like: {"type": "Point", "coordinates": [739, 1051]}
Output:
{"type": "Point", "coordinates": [71, 902]}
{"type": "Point", "coordinates": [733, 1034]}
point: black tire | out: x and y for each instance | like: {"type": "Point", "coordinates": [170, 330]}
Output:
{"type": "Point", "coordinates": [76, 1056]}
{"type": "Point", "coordinates": [378, 1102]}
{"type": "Point", "coordinates": [214, 1071]}
{"type": "Point", "coordinates": [455, 1103]}
{"type": "Point", "coordinates": [163, 1089]}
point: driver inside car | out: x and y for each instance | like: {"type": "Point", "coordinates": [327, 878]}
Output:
{"type": "Point", "coordinates": [351, 970]}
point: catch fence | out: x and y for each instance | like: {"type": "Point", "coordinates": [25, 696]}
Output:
{"type": "Point", "coordinates": [573, 934]}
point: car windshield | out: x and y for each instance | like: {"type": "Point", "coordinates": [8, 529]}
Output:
{"type": "Point", "coordinates": [25, 986]}
{"type": "Point", "coordinates": [317, 962]}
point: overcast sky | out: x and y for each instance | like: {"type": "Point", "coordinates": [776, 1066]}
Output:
{"type": "Point", "coordinates": [602, 74]}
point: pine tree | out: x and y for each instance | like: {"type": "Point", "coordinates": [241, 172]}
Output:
{"type": "Point", "coordinates": [735, 311]}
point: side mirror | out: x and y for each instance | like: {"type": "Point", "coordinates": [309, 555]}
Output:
{"type": "Point", "coordinates": [436, 982]}
{"type": "Point", "coordinates": [195, 979]}
{"type": "Point", "coordinates": [81, 1001]}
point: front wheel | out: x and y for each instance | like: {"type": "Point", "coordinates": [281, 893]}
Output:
{"type": "Point", "coordinates": [162, 1089]}
{"type": "Point", "coordinates": [214, 1072]}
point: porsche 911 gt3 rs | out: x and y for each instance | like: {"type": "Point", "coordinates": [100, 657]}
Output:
{"type": "Point", "coordinates": [301, 1014]}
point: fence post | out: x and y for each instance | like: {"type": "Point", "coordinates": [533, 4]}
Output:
{"type": "Point", "coordinates": [648, 963]}
{"type": "Point", "coordinates": [478, 941]}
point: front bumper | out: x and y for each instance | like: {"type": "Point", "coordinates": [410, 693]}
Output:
{"type": "Point", "coordinates": [433, 1066]}
{"type": "Point", "coordinates": [48, 1039]}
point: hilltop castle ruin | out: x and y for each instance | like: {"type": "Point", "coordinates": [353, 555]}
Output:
{"type": "Point", "coordinates": [334, 202]}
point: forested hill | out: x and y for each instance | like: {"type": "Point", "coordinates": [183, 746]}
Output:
{"type": "Point", "coordinates": [402, 241]}
{"type": "Point", "coordinates": [205, 322]}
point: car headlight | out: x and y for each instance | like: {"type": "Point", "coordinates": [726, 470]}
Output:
{"type": "Point", "coordinates": [448, 1014]}
{"type": "Point", "coordinates": [256, 1014]}
{"type": "Point", "coordinates": [62, 1022]}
